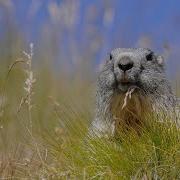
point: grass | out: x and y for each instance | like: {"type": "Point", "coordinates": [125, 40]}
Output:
{"type": "Point", "coordinates": [155, 154]}
{"type": "Point", "coordinates": [46, 138]}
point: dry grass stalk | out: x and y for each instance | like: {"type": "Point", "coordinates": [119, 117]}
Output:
{"type": "Point", "coordinates": [128, 95]}
{"type": "Point", "coordinates": [29, 82]}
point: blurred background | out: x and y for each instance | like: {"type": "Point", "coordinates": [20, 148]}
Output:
{"type": "Point", "coordinates": [69, 34]}
{"type": "Point", "coordinates": [40, 105]}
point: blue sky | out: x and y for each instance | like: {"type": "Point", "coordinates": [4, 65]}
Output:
{"type": "Point", "coordinates": [159, 18]}
{"type": "Point", "coordinates": [132, 19]}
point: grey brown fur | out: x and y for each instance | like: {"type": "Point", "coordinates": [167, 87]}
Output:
{"type": "Point", "coordinates": [124, 69]}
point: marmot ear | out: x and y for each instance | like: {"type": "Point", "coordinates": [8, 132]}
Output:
{"type": "Point", "coordinates": [160, 60]}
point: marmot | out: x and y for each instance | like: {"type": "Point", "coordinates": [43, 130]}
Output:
{"type": "Point", "coordinates": [131, 83]}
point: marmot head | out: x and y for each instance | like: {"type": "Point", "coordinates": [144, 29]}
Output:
{"type": "Point", "coordinates": [139, 67]}
{"type": "Point", "coordinates": [130, 86]}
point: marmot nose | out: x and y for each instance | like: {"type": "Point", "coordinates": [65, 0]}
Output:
{"type": "Point", "coordinates": [125, 64]}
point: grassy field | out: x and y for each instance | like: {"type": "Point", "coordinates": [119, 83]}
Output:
{"type": "Point", "coordinates": [43, 132]}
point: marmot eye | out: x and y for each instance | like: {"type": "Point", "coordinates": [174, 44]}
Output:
{"type": "Point", "coordinates": [110, 57]}
{"type": "Point", "coordinates": [149, 57]}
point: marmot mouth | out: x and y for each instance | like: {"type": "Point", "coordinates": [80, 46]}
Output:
{"type": "Point", "coordinates": [127, 83]}
{"type": "Point", "coordinates": [124, 86]}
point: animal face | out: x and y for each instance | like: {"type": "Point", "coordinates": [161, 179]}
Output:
{"type": "Point", "coordinates": [136, 67]}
